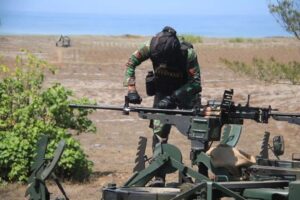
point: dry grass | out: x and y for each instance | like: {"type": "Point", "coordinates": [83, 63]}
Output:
{"type": "Point", "coordinates": [93, 67]}
{"type": "Point", "coordinates": [270, 71]}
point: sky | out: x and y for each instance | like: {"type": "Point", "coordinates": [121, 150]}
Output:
{"type": "Point", "coordinates": [245, 18]}
{"type": "Point", "coordinates": [149, 7]}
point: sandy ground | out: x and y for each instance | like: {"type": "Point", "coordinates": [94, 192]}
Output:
{"type": "Point", "coordinates": [93, 67]}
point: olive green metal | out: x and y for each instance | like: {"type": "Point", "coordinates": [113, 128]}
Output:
{"type": "Point", "coordinates": [36, 188]}
{"type": "Point", "coordinates": [140, 155]}
{"type": "Point", "coordinates": [50, 167]}
{"type": "Point", "coordinates": [167, 158]}
{"type": "Point", "coordinates": [40, 156]}
{"type": "Point", "coordinates": [278, 145]}
{"type": "Point", "coordinates": [294, 190]}
{"type": "Point", "coordinates": [264, 149]}
{"type": "Point", "coordinates": [231, 134]}
{"type": "Point", "coordinates": [42, 169]}
{"type": "Point", "coordinates": [172, 152]}
{"type": "Point", "coordinates": [139, 193]}
{"type": "Point", "coordinates": [266, 194]}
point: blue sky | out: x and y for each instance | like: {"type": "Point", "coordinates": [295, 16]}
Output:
{"type": "Point", "coordinates": [195, 7]}
{"type": "Point", "coordinates": [216, 18]}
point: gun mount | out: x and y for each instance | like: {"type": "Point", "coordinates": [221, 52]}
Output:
{"type": "Point", "coordinates": [42, 169]}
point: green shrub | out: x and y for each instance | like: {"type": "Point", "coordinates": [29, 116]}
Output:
{"type": "Point", "coordinates": [237, 40]}
{"type": "Point", "coordinates": [27, 111]}
{"type": "Point", "coordinates": [241, 40]}
{"type": "Point", "coordinates": [269, 71]}
{"type": "Point", "coordinates": [191, 38]}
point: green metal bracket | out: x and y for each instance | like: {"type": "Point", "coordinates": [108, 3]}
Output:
{"type": "Point", "coordinates": [266, 193]}
{"type": "Point", "coordinates": [294, 190]}
{"type": "Point", "coordinates": [36, 188]}
{"type": "Point", "coordinates": [167, 158]}
{"type": "Point", "coordinates": [231, 134]}
{"type": "Point", "coordinates": [41, 170]}
{"type": "Point", "coordinates": [208, 188]}
{"type": "Point", "coordinates": [57, 154]}
{"type": "Point", "coordinates": [39, 158]}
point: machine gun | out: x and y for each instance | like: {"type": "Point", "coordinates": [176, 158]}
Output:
{"type": "Point", "coordinates": [204, 124]}
{"type": "Point", "coordinates": [225, 110]}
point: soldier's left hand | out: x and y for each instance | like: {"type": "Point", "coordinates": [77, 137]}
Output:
{"type": "Point", "coordinates": [134, 97]}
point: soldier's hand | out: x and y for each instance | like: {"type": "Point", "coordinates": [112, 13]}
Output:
{"type": "Point", "coordinates": [207, 111]}
{"type": "Point", "coordinates": [167, 103]}
{"type": "Point", "coordinates": [134, 97]}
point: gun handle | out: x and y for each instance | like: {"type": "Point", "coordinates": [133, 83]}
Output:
{"type": "Point", "coordinates": [126, 106]}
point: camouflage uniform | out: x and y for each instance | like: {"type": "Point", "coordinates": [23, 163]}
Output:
{"type": "Point", "coordinates": [185, 84]}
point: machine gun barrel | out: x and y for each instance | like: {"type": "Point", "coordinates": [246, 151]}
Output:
{"type": "Point", "coordinates": [279, 114]}
{"type": "Point", "coordinates": [293, 118]}
{"type": "Point", "coordinates": [138, 109]}
{"type": "Point", "coordinates": [102, 107]}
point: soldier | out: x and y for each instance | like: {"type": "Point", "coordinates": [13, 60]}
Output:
{"type": "Point", "coordinates": [175, 82]}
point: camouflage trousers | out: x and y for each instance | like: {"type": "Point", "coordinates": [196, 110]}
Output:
{"type": "Point", "coordinates": [159, 129]}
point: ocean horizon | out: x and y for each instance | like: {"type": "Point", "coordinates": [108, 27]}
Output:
{"type": "Point", "coordinates": [250, 26]}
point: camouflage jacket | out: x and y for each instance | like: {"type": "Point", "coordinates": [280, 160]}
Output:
{"type": "Point", "coordinates": [191, 87]}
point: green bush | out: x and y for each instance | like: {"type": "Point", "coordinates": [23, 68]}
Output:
{"type": "Point", "coordinates": [237, 40]}
{"type": "Point", "coordinates": [241, 40]}
{"type": "Point", "coordinates": [269, 71]}
{"type": "Point", "coordinates": [191, 38]}
{"type": "Point", "coordinates": [27, 111]}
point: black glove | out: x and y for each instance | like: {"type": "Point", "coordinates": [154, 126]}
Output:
{"type": "Point", "coordinates": [167, 103]}
{"type": "Point", "coordinates": [134, 97]}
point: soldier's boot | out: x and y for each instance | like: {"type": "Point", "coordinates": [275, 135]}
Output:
{"type": "Point", "coordinates": [159, 179]}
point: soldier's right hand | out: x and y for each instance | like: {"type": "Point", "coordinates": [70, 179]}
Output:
{"type": "Point", "coordinates": [134, 97]}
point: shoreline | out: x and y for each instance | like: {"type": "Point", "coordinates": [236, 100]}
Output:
{"type": "Point", "coordinates": [137, 36]}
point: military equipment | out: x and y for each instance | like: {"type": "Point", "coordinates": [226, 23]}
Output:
{"type": "Point", "coordinates": [204, 124]}
{"type": "Point", "coordinates": [140, 155]}
{"type": "Point", "coordinates": [42, 169]}
{"type": "Point", "coordinates": [266, 179]}
{"type": "Point", "coordinates": [63, 41]}
{"type": "Point", "coordinates": [150, 83]}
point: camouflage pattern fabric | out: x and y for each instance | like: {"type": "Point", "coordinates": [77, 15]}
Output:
{"type": "Point", "coordinates": [187, 94]}
{"type": "Point", "coordinates": [188, 90]}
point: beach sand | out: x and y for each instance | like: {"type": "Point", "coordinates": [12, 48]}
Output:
{"type": "Point", "coordinates": [93, 67]}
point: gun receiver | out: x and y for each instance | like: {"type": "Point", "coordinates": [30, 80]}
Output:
{"type": "Point", "coordinates": [230, 111]}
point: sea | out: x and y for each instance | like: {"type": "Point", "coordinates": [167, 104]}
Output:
{"type": "Point", "coordinates": [212, 25]}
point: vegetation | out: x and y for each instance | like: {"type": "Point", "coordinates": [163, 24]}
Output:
{"type": "Point", "coordinates": [131, 36]}
{"type": "Point", "coordinates": [269, 71]}
{"type": "Point", "coordinates": [191, 38]}
{"type": "Point", "coordinates": [27, 111]}
{"type": "Point", "coordinates": [241, 40]}
{"type": "Point", "coordinates": [287, 13]}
